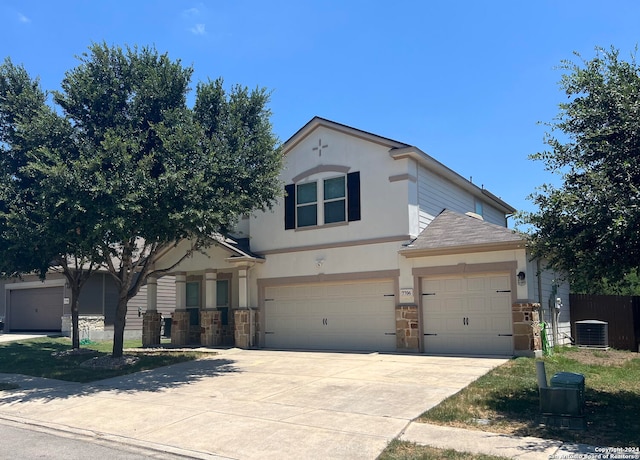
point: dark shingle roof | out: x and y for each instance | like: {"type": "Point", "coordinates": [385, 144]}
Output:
{"type": "Point", "coordinates": [450, 230]}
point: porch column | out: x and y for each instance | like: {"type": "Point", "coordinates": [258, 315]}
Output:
{"type": "Point", "coordinates": [210, 279]}
{"type": "Point", "coordinates": [180, 319]}
{"type": "Point", "coordinates": [152, 320]}
{"type": "Point", "coordinates": [244, 317]}
{"type": "Point", "coordinates": [243, 288]}
{"type": "Point", "coordinates": [210, 325]}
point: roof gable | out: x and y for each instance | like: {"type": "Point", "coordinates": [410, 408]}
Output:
{"type": "Point", "coordinates": [317, 122]}
{"type": "Point", "coordinates": [397, 150]}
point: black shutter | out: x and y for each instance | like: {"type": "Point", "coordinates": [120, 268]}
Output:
{"type": "Point", "coordinates": [290, 207]}
{"type": "Point", "coordinates": [353, 196]}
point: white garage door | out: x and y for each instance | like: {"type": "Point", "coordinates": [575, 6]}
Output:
{"type": "Point", "coordinates": [36, 309]}
{"type": "Point", "coordinates": [467, 315]}
{"type": "Point", "coordinates": [357, 315]}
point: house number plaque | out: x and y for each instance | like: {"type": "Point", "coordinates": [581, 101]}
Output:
{"type": "Point", "coordinates": [406, 295]}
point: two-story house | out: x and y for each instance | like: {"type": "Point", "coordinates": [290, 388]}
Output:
{"type": "Point", "coordinates": [375, 246]}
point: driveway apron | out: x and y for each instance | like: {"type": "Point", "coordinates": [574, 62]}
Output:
{"type": "Point", "coordinates": [248, 404]}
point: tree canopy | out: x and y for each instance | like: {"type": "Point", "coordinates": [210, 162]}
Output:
{"type": "Point", "coordinates": [589, 226]}
{"type": "Point", "coordinates": [125, 168]}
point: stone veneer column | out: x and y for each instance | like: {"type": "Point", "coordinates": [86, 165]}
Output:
{"type": "Point", "coordinates": [151, 325]}
{"type": "Point", "coordinates": [407, 327]}
{"type": "Point", "coordinates": [244, 328]}
{"type": "Point", "coordinates": [152, 320]}
{"type": "Point", "coordinates": [180, 318]}
{"type": "Point", "coordinates": [526, 329]}
{"type": "Point", "coordinates": [211, 329]}
{"type": "Point", "coordinates": [210, 325]}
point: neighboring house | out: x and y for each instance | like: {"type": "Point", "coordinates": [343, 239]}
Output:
{"type": "Point", "coordinates": [376, 246]}
{"type": "Point", "coordinates": [29, 304]}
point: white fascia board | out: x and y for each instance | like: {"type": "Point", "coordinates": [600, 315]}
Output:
{"type": "Point", "coordinates": [434, 165]}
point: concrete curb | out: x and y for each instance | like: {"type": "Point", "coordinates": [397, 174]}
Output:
{"type": "Point", "coordinates": [483, 442]}
{"type": "Point", "coordinates": [105, 438]}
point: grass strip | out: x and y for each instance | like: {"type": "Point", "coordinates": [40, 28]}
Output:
{"type": "Point", "coordinates": [46, 357]}
{"type": "Point", "coordinates": [506, 399]}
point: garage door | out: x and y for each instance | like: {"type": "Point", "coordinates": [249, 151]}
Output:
{"type": "Point", "coordinates": [36, 309]}
{"type": "Point", "coordinates": [467, 315]}
{"type": "Point", "coordinates": [331, 316]}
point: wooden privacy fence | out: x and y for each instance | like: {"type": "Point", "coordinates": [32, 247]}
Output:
{"type": "Point", "coordinates": [622, 313]}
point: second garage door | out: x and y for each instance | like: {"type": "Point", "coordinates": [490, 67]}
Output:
{"type": "Point", "coordinates": [357, 315]}
{"type": "Point", "coordinates": [36, 309]}
{"type": "Point", "coordinates": [467, 315]}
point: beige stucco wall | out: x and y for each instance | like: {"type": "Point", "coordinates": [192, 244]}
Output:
{"type": "Point", "coordinates": [384, 204]}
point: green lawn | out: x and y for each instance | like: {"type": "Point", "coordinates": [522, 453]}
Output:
{"type": "Point", "coordinates": [45, 357]}
{"type": "Point", "coordinates": [506, 399]}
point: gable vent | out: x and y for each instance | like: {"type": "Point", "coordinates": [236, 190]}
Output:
{"type": "Point", "coordinates": [592, 333]}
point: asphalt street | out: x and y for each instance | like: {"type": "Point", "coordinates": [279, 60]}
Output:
{"type": "Point", "coordinates": [25, 442]}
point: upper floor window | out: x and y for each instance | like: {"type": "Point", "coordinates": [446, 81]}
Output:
{"type": "Point", "coordinates": [335, 200]}
{"type": "Point", "coordinates": [326, 201]}
{"type": "Point", "coordinates": [307, 204]}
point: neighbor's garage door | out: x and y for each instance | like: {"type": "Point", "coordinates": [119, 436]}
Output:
{"type": "Point", "coordinates": [467, 314]}
{"type": "Point", "coordinates": [36, 309]}
{"type": "Point", "coordinates": [331, 316]}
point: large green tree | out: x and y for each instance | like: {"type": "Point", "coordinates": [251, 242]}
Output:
{"type": "Point", "coordinates": [152, 170]}
{"type": "Point", "coordinates": [589, 226]}
{"type": "Point", "coordinates": [42, 219]}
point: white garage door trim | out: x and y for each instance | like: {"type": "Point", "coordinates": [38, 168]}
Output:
{"type": "Point", "coordinates": [313, 315]}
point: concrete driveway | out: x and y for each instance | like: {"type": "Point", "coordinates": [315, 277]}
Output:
{"type": "Point", "coordinates": [13, 336]}
{"type": "Point", "coordinates": [253, 403]}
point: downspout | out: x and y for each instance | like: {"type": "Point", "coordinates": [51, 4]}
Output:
{"type": "Point", "coordinates": [539, 274]}
{"type": "Point", "coordinates": [554, 312]}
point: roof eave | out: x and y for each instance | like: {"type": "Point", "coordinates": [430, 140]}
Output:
{"type": "Point", "coordinates": [440, 169]}
{"type": "Point", "coordinates": [410, 253]}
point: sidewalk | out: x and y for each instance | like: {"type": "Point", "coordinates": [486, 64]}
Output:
{"type": "Point", "coordinates": [482, 442]}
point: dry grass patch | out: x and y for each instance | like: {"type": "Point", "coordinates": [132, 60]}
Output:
{"type": "Point", "coordinates": [402, 450]}
{"type": "Point", "coordinates": [506, 399]}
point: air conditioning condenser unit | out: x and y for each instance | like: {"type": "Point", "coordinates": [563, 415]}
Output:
{"type": "Point", "coordinates": [592, 333]}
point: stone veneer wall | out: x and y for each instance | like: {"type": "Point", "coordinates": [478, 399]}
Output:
{"type": "Point", "coordinates": [151, 325]}
{"type": "Point", "coordinates": [211, 330]}
{"type": "Point", "coordinates": [526, 329]}
{"type": "Point", "coordinates": [86, 323]}
{"type": "Point", "coordinates": [244, 328]}
{"type": "Point", "coordinates": [180, 327]}
{"type": "Point", "coordinates": [407, 327]}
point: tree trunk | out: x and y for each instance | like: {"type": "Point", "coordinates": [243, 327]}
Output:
{"type": "Point", "coordinates": [75, 303]}
{"type": "Point", "coordinates": [118, 326]}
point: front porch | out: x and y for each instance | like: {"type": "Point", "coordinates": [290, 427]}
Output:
{"type": "Point", "coordinates": [211, 304]}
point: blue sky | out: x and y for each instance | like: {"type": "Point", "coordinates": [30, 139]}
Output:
{"type": "Point", "coordinates": [465, 81]}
